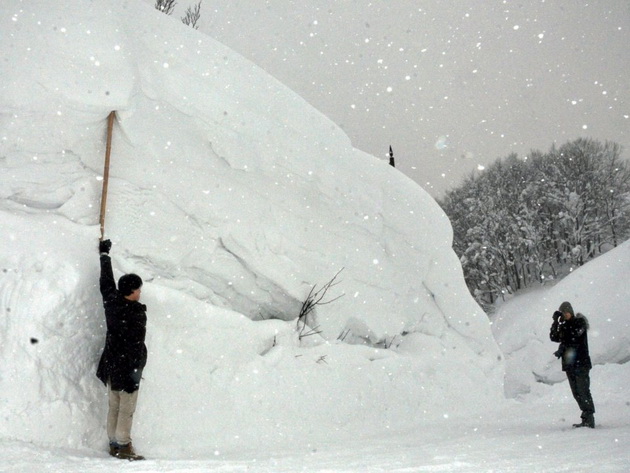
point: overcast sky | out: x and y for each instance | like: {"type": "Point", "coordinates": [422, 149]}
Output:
{"type": "Point", "coordinates": [451, 85]}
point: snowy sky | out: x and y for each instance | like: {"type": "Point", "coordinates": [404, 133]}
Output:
{"type": "Point", "coordinates": [451, 85]}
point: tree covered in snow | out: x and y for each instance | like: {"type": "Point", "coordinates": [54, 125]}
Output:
{"type": "Point", "coordinates": [526, 220]}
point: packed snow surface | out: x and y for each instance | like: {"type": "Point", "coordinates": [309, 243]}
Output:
{"type": "Point", "coordinates": [233, 198]}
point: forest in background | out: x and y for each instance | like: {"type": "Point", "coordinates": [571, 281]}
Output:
{"type": "Point", "coordinates": [525, 221]}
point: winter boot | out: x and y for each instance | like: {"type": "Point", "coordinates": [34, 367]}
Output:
{"type": "Point", "coordinates": [126, 452]}
{"type": "Point", "coordinates": [113, 448]}
{"type": "Point", "coordinates": [588, 420]}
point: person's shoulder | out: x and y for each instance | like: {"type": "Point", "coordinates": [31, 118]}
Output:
{"type": "Point", "coordinates": [581, 319]}
{"type": "Point", "coordinates": [134, 305]}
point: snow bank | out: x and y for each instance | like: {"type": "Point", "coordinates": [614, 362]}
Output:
{"type": "Point", "coordinates": [232, 198]}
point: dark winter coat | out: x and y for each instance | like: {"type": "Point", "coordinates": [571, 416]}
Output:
{"type": "Point", "coordinates": [125, 353]}
{"type": "Point", "coordinates": [573, 339]}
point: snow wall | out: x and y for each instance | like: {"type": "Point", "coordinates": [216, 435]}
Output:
{"type": "Point", "coordinates": [232, 198]}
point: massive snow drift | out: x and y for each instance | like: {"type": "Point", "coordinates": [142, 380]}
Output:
{"type": "Point", "coordinates": [232, 198]}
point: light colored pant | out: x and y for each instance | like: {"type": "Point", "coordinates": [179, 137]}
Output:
{"type": "Point", "coordinates": [122, 406]}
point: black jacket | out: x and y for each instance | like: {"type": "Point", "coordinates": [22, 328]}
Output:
{"type": "Point", "coordinates": [125, 353]}
{"type": "Point", "coordinates": [573, 339]}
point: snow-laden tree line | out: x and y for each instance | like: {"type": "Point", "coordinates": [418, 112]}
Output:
{"type": "Point", "coordinates": [523, 221]}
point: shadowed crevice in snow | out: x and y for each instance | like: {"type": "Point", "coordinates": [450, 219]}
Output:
{"type": "Point", "coordinates": [243, 289]}
{"type": "Point", "coordinates": [225, 279]}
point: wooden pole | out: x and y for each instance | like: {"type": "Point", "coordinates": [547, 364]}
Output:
{"type": "Point", "coordinates": [108, 152]}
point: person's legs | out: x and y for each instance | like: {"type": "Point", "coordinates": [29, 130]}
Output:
{"type": "Point", "coordinates": [112, 415]}
{"type": "Point", "coordinates": [584, 398]}
{"type": "Point", "coordinates": [572, 383]}
{"type": "Point", "coordinates": [583, 388]}
{"type": "Point", "coordinates": [122, 406]}
{"type": "Point", "coordinates": [580, 383]}
{"type": "Point", "coordinates": [126, 410]}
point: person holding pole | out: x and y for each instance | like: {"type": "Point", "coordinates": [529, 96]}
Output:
{"type": "Point", "coordinates": [125, 353]}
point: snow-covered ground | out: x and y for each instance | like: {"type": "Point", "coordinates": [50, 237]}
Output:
{"type": "Point", "coordinates": [531, 435]}
{"type": "Point", "coordinates": [232, 198]}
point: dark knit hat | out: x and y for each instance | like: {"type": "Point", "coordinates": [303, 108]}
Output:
{"type": "Point", "coordinates": [566, 307]}
{"type": "Point", "coordinates": [129, 283]}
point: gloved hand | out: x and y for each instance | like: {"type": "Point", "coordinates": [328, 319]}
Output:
{"type": "Point", "coordinates": [133, 381]}
{"type": "Point", "coordinates": [557, 316]}
{"type": "Point", "coordinates": [559, 352]}
{"type": "Point", "coordinates": [136, 376]}
{"type": "Point", "coordinates": [104, 246]}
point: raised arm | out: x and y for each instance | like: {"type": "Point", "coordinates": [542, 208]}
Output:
{"type": "Point", "coordinates": [554, 332]}
{"type": "Point", "coordinates": [107, 281]}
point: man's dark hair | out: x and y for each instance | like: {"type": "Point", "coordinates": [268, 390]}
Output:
{"type": "Point", "coordinates": [129, 283]}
